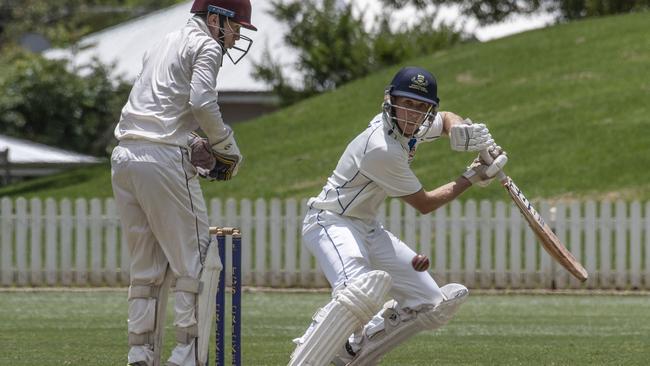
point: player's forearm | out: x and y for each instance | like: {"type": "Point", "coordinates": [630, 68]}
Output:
{"type": "Point", "coordinates": [209, 119]}
{"type": "Point", "coordinates": [446, 193]}
{"type": "Point", "coordinates": [449, 119]}
{"type": "Point", "coordinates": [428, 201]}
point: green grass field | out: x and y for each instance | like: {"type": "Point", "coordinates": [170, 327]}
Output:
{"type": "Point", "coordinates": [569, 103]}
{"type": "Point", "coordinates": [89, 328]}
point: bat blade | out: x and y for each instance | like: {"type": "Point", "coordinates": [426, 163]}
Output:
{"type": "Point", "coordinates": [546, 236]}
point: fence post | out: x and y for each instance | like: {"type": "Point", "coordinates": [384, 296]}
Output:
{"type": "Point", "coordinates": [515, 247]}
{"type": "Point", "coordinates": [621, 244]}
{"type": "Point", "coordinates": [22, 224]}
{"type": "Point", "coordinates": [471, 246]}
{"type": "Point", "coordinates": [486, 243]}
{"type": "Point", "coordinates": [605, 244]}
{"type": "Point", "coordinates": [441, 269]}
{"type": "Point", "coordinates": [81, 242]}
{"type": "Point", "coordinates": [6, 236]}
{"type": "Point", "coordinates": [35, 226]}
{"type": "Point", "coordinates": [246, 214]}
{"type": "Point", "coordinates": [590, 243]}
{"type": "Point", "coordinates": [275, 245]}
{"type": "Point", "coordinates": [500, 245]}
{"type": "Point", "coordinates": [290, 232]}
{"type": "Point", "coordinates": [51, 241]}
{"type": "Point", "coordinates": [260, 242]}
{"type": "Point", "coordinates": [66, 241]}
{"type": "Point", "coordinates": [455, 245]}
{"type": "Point", "coordinates": [646, 229]}
{"type": "Point", "coordinates": [96, 241]}
{"type": "Point", "coordinates": [635, 245]}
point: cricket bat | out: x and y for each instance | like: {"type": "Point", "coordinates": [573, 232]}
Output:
{"type": "Point", "coordinates": [546, 236]}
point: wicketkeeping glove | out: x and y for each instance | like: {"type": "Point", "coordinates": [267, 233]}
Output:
{"type": "Point", "coordinates": [470, 136]}
{"type": "Point", "coordinates": [201, 154]}
{"type": "Point", "coordinates": [228, 159]}
{"type": "Point", "coordinates": [482, 173]}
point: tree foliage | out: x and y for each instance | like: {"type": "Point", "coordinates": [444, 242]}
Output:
{"type": "Point", "coordinates": [494, 11]}
{"type": "Point", "coordinates": [65, 21]}
{"type": "Point", "coordinates": [44, 100]}
{"type": "Point", "coordinates": [334, 48]}
{"type": "Point", "coordinates": [41, 100]}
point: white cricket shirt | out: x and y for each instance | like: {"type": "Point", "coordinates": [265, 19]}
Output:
{"type": "Point", "coordinates": [375, 165]}
{"type": "Point", "coordinates": [180, 70]}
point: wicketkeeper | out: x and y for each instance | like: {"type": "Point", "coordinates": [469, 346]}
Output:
{"type": "Point", "coordinates": [154, 172]}
{"type": "Point", "coordinates": [366, 264]}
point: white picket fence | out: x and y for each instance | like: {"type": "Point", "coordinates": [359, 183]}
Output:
{"type": "Point", "coordinates": [481, 244]}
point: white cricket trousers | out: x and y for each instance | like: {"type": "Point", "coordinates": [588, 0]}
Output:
{"type": "Point", "coordinates": [346, 247]}
{"type": "Point", "coordinates": [163, 213]}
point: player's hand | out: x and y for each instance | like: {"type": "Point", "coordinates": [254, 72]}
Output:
{"type": "Point", "coordinates": [228, 159]}
{"type": "Point", "coordinates": [481, 173]}
{"type": "Point", "coordinates": [470, 136]}
{"type": "Point", "coordinates": [201, 154]}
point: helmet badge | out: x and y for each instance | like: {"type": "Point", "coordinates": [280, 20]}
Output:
{"type": "Point", "coordinates": [420, 83]}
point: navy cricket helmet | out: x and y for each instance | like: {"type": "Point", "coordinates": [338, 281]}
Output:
{"type": "Point", "coordinates": [415, 83]}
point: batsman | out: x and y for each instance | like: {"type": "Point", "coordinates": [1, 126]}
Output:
{"type": "Point", "coordinates": [154, 174]}
{"type": "Point", "coordinates": [366, 264]}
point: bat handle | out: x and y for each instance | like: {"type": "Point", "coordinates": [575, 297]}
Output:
{"type": "Point", "coordinates": [488, 159]}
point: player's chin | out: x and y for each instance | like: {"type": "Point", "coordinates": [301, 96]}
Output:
{"type": "Point", "coordinates": [410, 133]}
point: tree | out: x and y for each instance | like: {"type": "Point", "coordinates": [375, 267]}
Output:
{"type": "Point", "coordinates": [41, 100]}
{"type": "Point", "coordinates": [65, 21]}
{"type": "Point", "coordinates": [44, 100]}
{"type": "Point", "coordinates": [494, 11]}
{"type": "Point", "coordinates": [334, 47]}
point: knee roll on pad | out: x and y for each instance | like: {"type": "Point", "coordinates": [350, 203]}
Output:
{"type": "Point", "coordinates": [402, 325]}
{"type": "Point", "coordinates": [350, 308]}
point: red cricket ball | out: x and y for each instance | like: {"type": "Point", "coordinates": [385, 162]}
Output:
{"type": "Point", "coordinates": [420, 263]}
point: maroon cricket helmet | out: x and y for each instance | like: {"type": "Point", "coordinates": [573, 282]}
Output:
{"type": "Point", "coordinates": [237, 10]}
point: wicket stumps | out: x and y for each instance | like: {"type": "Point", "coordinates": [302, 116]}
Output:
{"type": "Point", "coordinates": [220, 320]}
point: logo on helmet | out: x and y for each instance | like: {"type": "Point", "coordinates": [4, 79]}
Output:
{"type": "Point", "coordinates": [419, 83]}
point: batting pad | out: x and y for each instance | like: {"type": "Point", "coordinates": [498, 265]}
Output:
{"type": "Point", "coordinates": [350, 309]}
{"type": "Point", "coordinates": [402, 325]}
{"type": "Point", "coordinates": [207, 300]}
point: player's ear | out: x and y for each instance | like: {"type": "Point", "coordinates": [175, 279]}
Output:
{"type": "Point", "coordinates": [213, 20]}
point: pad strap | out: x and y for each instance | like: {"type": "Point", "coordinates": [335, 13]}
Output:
{"type": "Point", "coordinates": [185, 335]}
{"type": "Point", "coordinates": [187, 284]}
{"type": "Point", "coordinates": [143, 292]}
{"type": "Point", "coordinates": [141, 339]}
